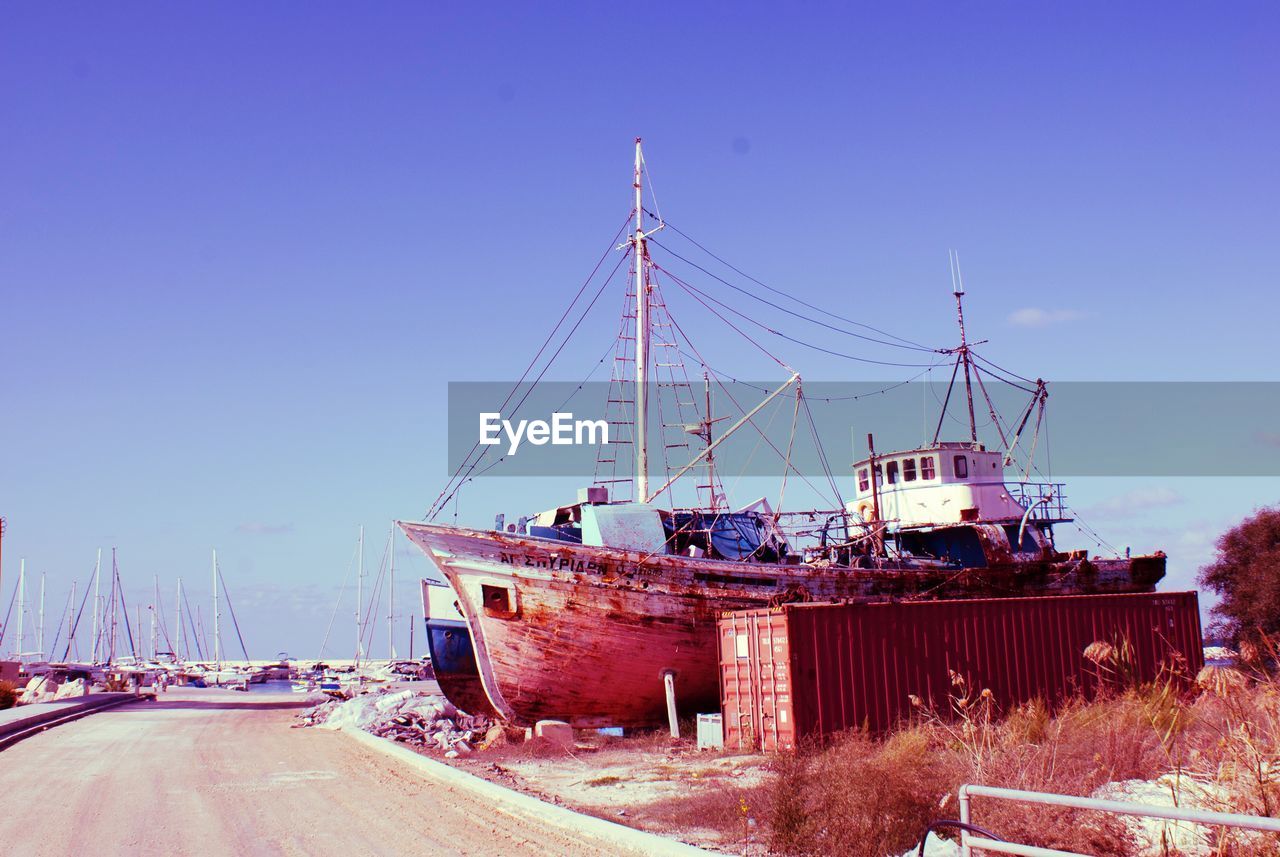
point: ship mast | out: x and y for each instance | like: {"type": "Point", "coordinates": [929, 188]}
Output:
{"type": "Point", "coordinates": [964, 359]}
{"type": "Point", "coordinates": [642, 340]}
{"type": "Point", "coordinates": [958, 291]}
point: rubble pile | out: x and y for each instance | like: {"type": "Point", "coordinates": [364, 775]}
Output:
{"type": "Point", "coordinates": [410, 717]}
{"type": "Point", "coordinates": [39, 689]}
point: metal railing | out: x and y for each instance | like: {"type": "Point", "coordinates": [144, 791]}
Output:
{"type": "Point", "coordinates": [970, 842]}
{"type": "Point", "coordinates": [1045, 499]}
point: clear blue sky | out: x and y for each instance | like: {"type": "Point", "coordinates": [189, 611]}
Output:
{"type": "Point", "coordinates": [244, 248]}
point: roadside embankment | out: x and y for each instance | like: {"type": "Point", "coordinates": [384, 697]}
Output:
{"type": "Point", "coordinates": [26, 720]}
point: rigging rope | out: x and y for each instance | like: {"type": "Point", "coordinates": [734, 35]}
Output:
{"type": "Point", "coordinates": [442, 499]}
{"type": "Point", "coordinates": [741, 409]}
{"type": "Point", "coordinates": [227, 597]}
{"type": "Point", "coordinates": [798, 315]}
{"type": "Point", "coordinates": [451, 489]}
{"type": "Point", "coordinates": [696, 292]}
{"type": "Point", "coordinates": [788, 295]}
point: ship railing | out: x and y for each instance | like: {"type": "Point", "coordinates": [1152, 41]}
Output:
{"type": "Point", "coordinates": [1046, 500]}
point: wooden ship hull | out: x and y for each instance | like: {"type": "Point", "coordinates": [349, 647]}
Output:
{"type": "Point", "coordinates": [585, 633]}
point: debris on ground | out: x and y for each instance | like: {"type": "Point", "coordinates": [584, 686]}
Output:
{"type": "Point", "coordinates": [411, 717]}
{"type": "Point", "coordinates": [72, 689]}
{"type": "Point", "coordinates": [39, 689]}
{"type": "Point", "coordinates": [1157, 836]}
{"type": "Point", "coordinates": [936, 846]}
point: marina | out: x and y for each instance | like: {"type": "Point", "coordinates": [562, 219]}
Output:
{"type": "Point", "coordinates": [832, 431]}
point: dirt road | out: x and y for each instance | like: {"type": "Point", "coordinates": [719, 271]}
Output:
{"type": "Point", "coordinates": [210, 772]}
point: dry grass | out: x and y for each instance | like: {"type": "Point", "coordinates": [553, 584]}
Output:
{"type": "Point", "coordinates": [870, 797]}
{"type": "Point", "coordinates": [731, 812]}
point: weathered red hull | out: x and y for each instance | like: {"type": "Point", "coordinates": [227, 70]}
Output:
{"type": "Point", "coordinates": [584, 633]}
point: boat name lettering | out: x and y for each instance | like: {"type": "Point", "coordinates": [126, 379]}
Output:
{"type": "Point", "coordinates": [552, 563]}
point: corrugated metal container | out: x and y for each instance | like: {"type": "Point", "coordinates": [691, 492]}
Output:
{"type": "Point", "coordinates": [805, 671]}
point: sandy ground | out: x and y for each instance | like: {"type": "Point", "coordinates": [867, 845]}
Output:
{"type": "Point", "coordinates": [211, 772]}
{"type": "Point", "coordinates": [644, 783]}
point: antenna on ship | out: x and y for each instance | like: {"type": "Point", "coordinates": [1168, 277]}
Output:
{"type": "Point", "coordinates": [963, 358]}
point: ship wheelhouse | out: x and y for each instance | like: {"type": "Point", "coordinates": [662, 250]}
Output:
{"type": "Point", "coordinates": [950, 501]}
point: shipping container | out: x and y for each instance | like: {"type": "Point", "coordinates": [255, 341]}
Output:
{"type": "Point", "coordinates": [802, 672]}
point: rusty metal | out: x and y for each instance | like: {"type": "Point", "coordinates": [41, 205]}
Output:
{"type": "Point", "coordinates": [805, 671]}
{"type": "Point", "coordinates": [595, 626]}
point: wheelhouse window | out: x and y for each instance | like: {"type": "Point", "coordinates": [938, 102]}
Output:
{"type": "Point", "coordinates": [864, 479]}
{"type": "Point", "coordinates": [879, 475]}
{"type": "Point", "coordinates": [926, 467]}
{"type": "Point", "coordinates": [908, 470]}
{"type": "Point", "coordinates": [892, 469]}
{"type": "Point", "coordinates": [962, 466]}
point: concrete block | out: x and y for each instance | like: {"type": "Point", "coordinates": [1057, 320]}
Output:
{"type": "Point", "coordinates": [555, 731]}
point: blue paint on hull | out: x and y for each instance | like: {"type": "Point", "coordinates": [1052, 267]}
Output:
{"type": "Point", "coordinates": [454, 662]}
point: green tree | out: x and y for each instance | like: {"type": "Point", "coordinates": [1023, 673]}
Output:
{"type": "Point", "coordinates": [1246, 576]}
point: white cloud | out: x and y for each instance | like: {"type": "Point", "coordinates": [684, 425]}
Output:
{"type": "Point", "coordinates": [1037, 317]}
{"type": "Point", "coordinates": [1133, 503]}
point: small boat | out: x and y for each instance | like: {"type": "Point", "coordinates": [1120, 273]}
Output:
{"type": "Point", "coordinates": [452, 656]}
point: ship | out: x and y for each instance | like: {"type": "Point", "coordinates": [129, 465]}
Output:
{"type": "Point", "coordinates": [602, 612]}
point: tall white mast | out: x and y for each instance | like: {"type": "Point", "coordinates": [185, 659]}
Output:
{"type": "Point", "coordinates": [391, 598]}
{"type": "Point", "coordinates": [40, 627]}
{"type": "Point", "coordinates": [115, 606]}
{"type": "Point", "coordinates": [155, 601]}
{"type": "Point", "coordinates": [217, 639]}
{"type": "Point", "coordinates": [360, 599]}
{"type": "Point", "coordinates": [177, 610]}
{"type": "Point", "coordinates": [642, 340]}
{"type": "Point", "coordinates": [72, 648]}
{"type": "Point", "coordinates": [22, 602]}
{"type": "Point", "coordinates": [97, 604]}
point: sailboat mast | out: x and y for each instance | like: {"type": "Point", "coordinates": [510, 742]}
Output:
{"type": "Point", "coordinates": [73, 624]}
{"type": "Point", "coordinates": [97, 604]}
{"type": "Point", "coordinates": [40, 627]}
{"type": "Point", "coordinates": [155, 602]}
{"type": "Point", "coordinates": [115, 612]}
{"type": "Point", "coordinates": [22, 602]}
{"type": "Point", "coordinates": [179, 636]}
{"type": "Point", "coordinates": [217, 637]}
{"type": "Point", "coordinates": [642, 340]}
{"type": "Point", "coordinates": [360, 599]}
{"type": "Point", "coordinates": [391, 598]}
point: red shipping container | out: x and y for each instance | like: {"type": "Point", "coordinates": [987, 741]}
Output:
{"type": "Point", "coordinates": [806, 671]}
